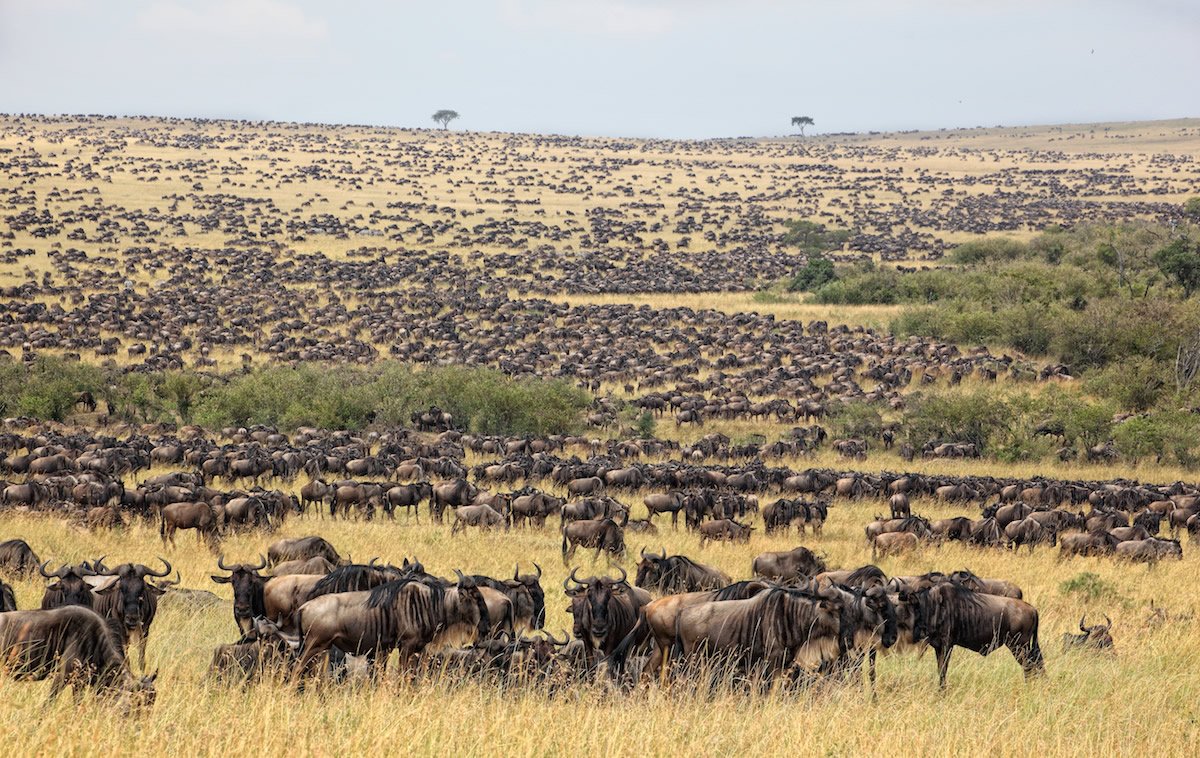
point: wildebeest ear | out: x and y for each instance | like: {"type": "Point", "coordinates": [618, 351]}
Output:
{"type": "Point", "coordinates": [570, 611]}
{"type": "Point", "coordinates": [105, 590]}
{"type": "Point", "coordinates": [220, 579]}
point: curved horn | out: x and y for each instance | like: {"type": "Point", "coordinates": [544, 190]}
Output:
{"type": "Point", "coordinates": [1082, 618]}
{"type": "Point", "coordinates": [371, 562]}
{"type": "Point", "coordinates": [155, 574]}
{"type": "Point", "coordinates": [42, 570]}
{"type": "Point", "coordinates": [262, 563]}
{"type": "Point", "coordinates": [664, 552]}
{"type": "Point", "coordinates": [221, 563]}
{"type": "Point", "coordinates": [460, 576]}
{"type": "Point", "coordinates": [98, 565]}
{"type": "Point", "coordinates": [623, 575]}
{"type": "Point", "coordinates": [642, 554]}
{"type": "Point", "coordinates": [566, 638]}
{"type": "Point", "coordinates": [1107, 622]}
{"type": "Point", "coordinates": [539, 570]}
{"type": "Point", "coordinates": [517, 572]}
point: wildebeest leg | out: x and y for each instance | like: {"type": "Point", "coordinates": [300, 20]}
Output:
{"type": "Point", "coordinates": [871, 672]}
{"type": "Point", "coordinates": [943, 663]}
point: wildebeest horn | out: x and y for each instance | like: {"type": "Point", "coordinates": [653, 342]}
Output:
{"type": "Point", "coordinates": [517, 572]}
{"type": "Point", "coordinates": [221, 563]}
{"type": "Point", "coordinates": [566, 638]}
{"type": "Point", "coordinates": [262, 563]}
{"type": "Point", "coordinates": [1107, 622]}
{"type": "Point", "coordinates": [1082, 618]}
{"type": "Point", "coordinates": [642, 554]}
{"type": "Point", "coordinates": [42, 570]}
{"type": "Point", "coordinates": [147, 572]}
{"type": "Point", "coordinates": [623, 575]}
{"type": "Point", "coordinates": [460, 576]}
{"type": "Point", "coordinates": [664, 551]}
{"type": "Point", "coordinates": [539, 570]}
{"type": "Point", "coordinates": [372, 561]}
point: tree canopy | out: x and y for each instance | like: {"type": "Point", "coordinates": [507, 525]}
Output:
{"type": "Point", "coordinates": [802, 121]}
{"type": "Point", "coordinates": [444, 117]}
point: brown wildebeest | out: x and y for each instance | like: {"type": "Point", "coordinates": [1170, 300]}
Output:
{"type": "Point", "coordinates": [724, 530]}
{"type": "Point", "coordinates": [301, 548]}
{"type": "Point", "coordinates": [676, 573]}
{"type": "Point", "coordinates": [1096, 637]}
{"type": "Point", "coordinates": [789, 566]}
{"type": "Point", "coordinates": [893, 543]}
{"type": "Point", "coordinates": [17, 558]}
{"type": "Point", "coordinates": [247, 585]}
{"type": "Point", "coordinates": [604, 535]}
{"type": "Point", "coordinates": [949, 615]}
{"type": "Point", "coordinates": [199, 516]}
{"type": "Point", "coordinates": [128, 602]}
{"type": "Point", "coordinates": [318, 565]}
{"type": "Point", "coordinates": [263, 650]}
{"type": "Point", "coordinates": [72, 645]}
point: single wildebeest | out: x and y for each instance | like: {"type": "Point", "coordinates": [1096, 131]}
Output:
{"type": "Point", "coordinates": [525, 593]}
{"type": "Point", "coordinates": [17, 558]}
{"type": "Point", "coordinates": [1096, 637]}
{"type": "Point", "coordinates": [949, 615]}
{"type": "Point", "coordinates": [72, 645]}
{"type": "Point", "coordinates": [301, 548]}
{"type": "Point", "coordinates": [1030, 532]}
{"type": "Point", "coordinates": [199, 516]}
{"type": "Point", "coordinates": [483, 516]}
{"type": "Point", "coordinates": [899, 505]}
{"type": "Point", "coordinates": [868, 624]}
{"type": "Point", "coordinates": [592, 485]}
{"type": "Point", "coordinates": [1150, 550]}
{"type": "Point", "coordinates": [765, 635]}
{"type": "Point", "coordinates": [262, 650]}
{"type": "Point", "coordinates": [604, 610]}
{"type": "Point", "coordinates": [656, 622]}
{"type": "Point", "coordinates": [406, 613]}
{"type": "Point", "coordinates": [129, 603]}
{"type": "Point", "coordinates": [455, 493]}
{"type": "Point", "coordinates": [724, 530]}
{"type": "Point", "coordinates": [70, 589]}
{"type": "Point", "coordinates": [1000, 587]}
{"type": "Point", "coordinates": [792, 565]}
{"type": "Point", "coordinates": [676, 573]}
{"type": "Point", "coordinates": [671, 502]}
{"type": "Point", "coordinates": [893, 543]}
{"type": "Point", "coordinates": [318, 565]}
{"type": "Point", "coordinates": [604, 535]}
{"type": "Point", "coordinates": [1096, 542]}
{"type": "Point", "coordinates": [247, 585]}
{"type": "Point", "coordinates": [407, 496]}
{"type": "Point", "coordinates": [862, 577]}
{"type": "Point", "coordinates": [957, 528]}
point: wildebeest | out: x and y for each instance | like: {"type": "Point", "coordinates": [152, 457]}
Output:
{"type": "Point", "coordinates": [603, 534]}
{"type": "Point", "coordinates": [71, 587]}
{"type": "Point", "coordinates": [670, 502]}
{"type": "Point", "coordinates": [724, 530]}
{"type": "Point", "coordinates": [949, 615]}
{"type": "Point", "coordinates": [408, 496]}
{"type": "Point", "coordinates": [1095, 637]}
{"type": "Point", "coordinates": [455, 493]}
{"type": "Point", "coordinates": [483, 516]}
{"type": "Point", "coordinates": [604, 610]}
{"type": "Point", "coordinates": [525, 593]}
{"type": "Point", "coordinates": [17, 558]}
{"type": "Point", "coordinates": [72, 645]}
{"type": "Point", "coordinates": [656, 622]}
{"type": "Point", "coordinates": [676, 573]}
{"type": "Point", "coordinates": [1150, 550]}
{"type": "Point", "coordinates": [199, 516]}
{"type": "Point", "coordinates": [788, 566]}
{"type": "Point", "coordinates": [301, 548]}
{"type": "Point", "coordinates": [247, 585]}
{"type": "Point", "coordinates": [893, 543]}
{"type": "Point", "coordinates": [764, 636]}
{"type": "Point", "coordinates": [261, 650]}
{"type": "Point", "coordinates": [1095, 542]}
{"type": "Point", "coordinates": [8, 598]}
{"type": "Point", "coordinates": [406, 613]}
{"type": "Point", "coordinates": [129, 603]}
{"type": "Point", "coordinates": [316, 565]}
{"type": "Point", "coordinates": [1031, 532]}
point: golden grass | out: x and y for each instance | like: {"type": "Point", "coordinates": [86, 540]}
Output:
{"type": "Point", "coordinates": [1140, 701]}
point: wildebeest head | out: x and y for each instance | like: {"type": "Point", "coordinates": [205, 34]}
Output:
{"type": "Point", "coordinates": [533, 584]}
{"type": "Point", "coordinates": [130, 584]}
{"type": "Point", "coordinates": [650, 569]}
{"type": "Point", "coordinates": [70, 589]}
{"type": "Point", "coordinates": [471, 598]}
{"type": "Point", "coordinates": [590, 599]}
{"type": "Point", "coordinates": [1095, 637]}
{"type": "Point", "coordinates": [247, 586]}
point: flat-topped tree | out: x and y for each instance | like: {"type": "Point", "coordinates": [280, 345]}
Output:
{"type": "Point", "coordinates": [444, 117]}
{"type": "Point", "coordinates": [802, 121]}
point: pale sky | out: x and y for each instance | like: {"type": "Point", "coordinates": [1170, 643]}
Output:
{"type": "Point", "coordinates": [639, 68]}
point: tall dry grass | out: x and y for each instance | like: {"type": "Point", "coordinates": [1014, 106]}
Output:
{"type": "Point", "coordinates": [1143, 700]}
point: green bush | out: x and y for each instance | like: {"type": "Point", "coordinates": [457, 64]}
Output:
{"type": "Point", "coordinates": [972, 416]}
{"type": "Point", "coordinates": [47, 387]}
{"type": "Point", "coordinates": [990, 250]}
{"type": "Point", "coordinates": [1090, 587]}
{"type": "Point", "coordinates": [856, 419]}
{"type": "Point", "coordinates": [816, 273]}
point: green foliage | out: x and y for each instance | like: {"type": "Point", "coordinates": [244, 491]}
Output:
{"type": "Point", "coordinates": [1165, 436]}
{"type": "Point", "coordinates": [644, 426]}
{"type": "Point", "coordinates": [46, 388]}
{"type": "Point", "coordinates": [1191, 209]}
{"type": "Point", "coordinates": [1089, 587]}
{"type": "Point", "coordinates": [1136, 383]}
{"type": "Point", "coordinates": [972, 416]}
{"type": "Point", "coordinates": [1180, 262]}
{"type": "Point", "coordinates": [812, 237]}
{"type": "Point", "coordinates": [444, 117]}
{"type": "Point", "coordinates": [816, 273]}
{"type": "Point", "coordinates": [856, 419]}
{"type": "Point", "coordinates": [989, 250]}
{"type": "Point", "coordinates": [484, 400]}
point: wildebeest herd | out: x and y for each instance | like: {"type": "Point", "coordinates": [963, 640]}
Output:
{"type": "Point", "coordinates": [304, 611]}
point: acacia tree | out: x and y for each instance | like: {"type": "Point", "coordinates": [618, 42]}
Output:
{"type": "Point", "coordinates": [444, 117]}
{"type": "Point", "coordinates": [802, 121]}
